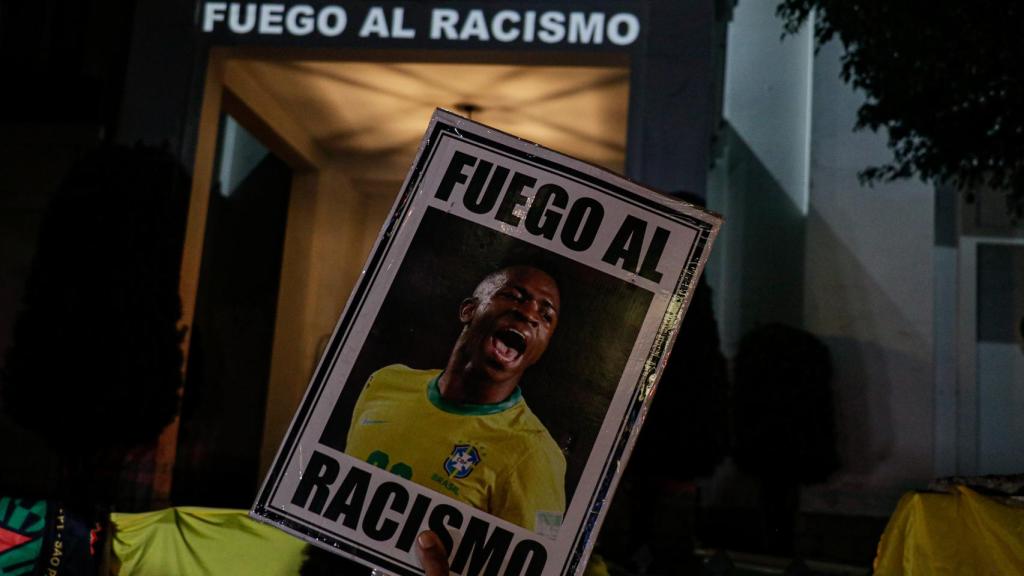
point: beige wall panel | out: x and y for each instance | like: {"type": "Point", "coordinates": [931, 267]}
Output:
{"type": "Point", "coordinates": [291, 351]}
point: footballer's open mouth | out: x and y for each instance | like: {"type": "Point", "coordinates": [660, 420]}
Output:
{"type": "Point", "coordinates": [509, 344]}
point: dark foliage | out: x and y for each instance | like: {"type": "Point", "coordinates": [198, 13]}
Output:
{"type": "Point", "coordinates": [95, 363]}
{"type": "Point", "coordinates": [945, 79]}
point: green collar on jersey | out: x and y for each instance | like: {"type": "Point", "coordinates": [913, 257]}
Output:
{"type": "Point", "coordinates": [434, 394]}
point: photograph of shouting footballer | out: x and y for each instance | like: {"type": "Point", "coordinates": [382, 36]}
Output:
{"type": "Point", "coordinates": [487, 372]}
{"type": "Point", "coordinates": [467, 427]}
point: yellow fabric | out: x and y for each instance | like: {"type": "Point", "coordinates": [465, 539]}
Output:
{"type": "Point", "coordinates": [400, 424]}
{"type": "Point", "coordinates": [960, 534]}
{"type": "Point", "coordinates": [200, 542]}
{"type": "Point", "coordinates": [596, 566]}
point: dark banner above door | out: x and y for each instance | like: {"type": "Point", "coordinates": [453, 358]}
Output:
{"type": "Point", "coordinates": [590, 26]}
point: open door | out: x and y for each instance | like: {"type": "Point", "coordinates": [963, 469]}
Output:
{"type": "Point", "coordinates": [342, 129]}
{"type": "Point", "coordinates": [221, 419]}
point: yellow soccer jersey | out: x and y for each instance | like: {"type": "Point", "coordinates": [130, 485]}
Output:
{"type": "Point", "coordinates": [496, 457]}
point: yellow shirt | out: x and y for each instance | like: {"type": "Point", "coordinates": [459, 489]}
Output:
{"type": "Point", "coordinates": [496, 457]}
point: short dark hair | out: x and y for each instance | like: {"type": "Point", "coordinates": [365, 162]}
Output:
{"type": "Point", "coordinates": [496, 274]}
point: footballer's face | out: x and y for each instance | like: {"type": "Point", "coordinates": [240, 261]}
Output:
{"type": "Point", "coordinates": [508, 323]}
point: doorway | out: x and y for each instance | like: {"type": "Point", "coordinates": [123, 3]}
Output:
{"type": "Point", "coordinates": [990, 355]}
{"type": "Point", "coordinates": [344, 129]}
{"type": "Point", "coordinates": [233, 325]}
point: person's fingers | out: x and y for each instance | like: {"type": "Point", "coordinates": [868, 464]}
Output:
{"type": "Point", "coordinates": [432, 554]}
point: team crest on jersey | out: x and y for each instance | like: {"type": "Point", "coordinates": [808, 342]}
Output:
{"type": "Point", "coordinates": [461, 461]}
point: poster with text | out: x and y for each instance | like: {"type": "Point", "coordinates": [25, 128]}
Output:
{"type": "Point", "coordinates": [491, 369]}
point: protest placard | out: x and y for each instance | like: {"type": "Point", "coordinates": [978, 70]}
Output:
{"type": "Point", "coordinates": [490, 371]}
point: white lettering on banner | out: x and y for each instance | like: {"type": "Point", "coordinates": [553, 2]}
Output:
{"type": "Point", "coordinates": [444, 19]}
{"type": "Point", "coordinates": [552, 27]}
{"type": "Point", "coordinates": [397, 25]}
{"type": "Point", "coordinates": [332, 21]}
{"type": "Point", "coordinates": [498, 30]}
{"type": "Point", "coordinates": [271, 17]}
{"type": "Point", "coordinates": [475, 26]}
{"type": "Point", "coordinates": [445, 24]}
{"type": "Point", "coordinates": [235, 22]}
{"type": "Point", "coordinates": [530, 26]}
{"type": "Point", "coordinates": [375, 23]}
{"type": "Point", "coordinates": [586, 28]}
{"type": "Point", "coordinates": [299, 20]}
{"type": "Point", "coordinates": [632, 32]}
{"type": "Point", "coordinates": [213, 12]}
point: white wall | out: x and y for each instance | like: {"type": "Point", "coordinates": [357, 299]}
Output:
{"type": "Point", "coordinates": [760, 180]}
{"type": "Point", "coordinates": [868, 292]}
{"type": "Point", "coordinates": [857, 262]}
{"type": "Point", "coordinates": [768, 93]}
{"type": "Point", "coordinates": [334, 217]}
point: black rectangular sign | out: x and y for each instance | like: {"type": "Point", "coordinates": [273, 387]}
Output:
{"type": "Point", "coordinates": [591, 26]}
